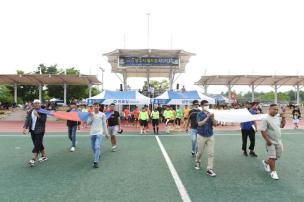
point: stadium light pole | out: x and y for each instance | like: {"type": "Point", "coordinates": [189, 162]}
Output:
{"type": "Point", "coordinates": [148, 31]}
{"type": "Point", "coordinates": [102, 76]}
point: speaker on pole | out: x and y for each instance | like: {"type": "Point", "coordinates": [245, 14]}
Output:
{"type": "Point", "coordinates": [177, 86]}
{"type": "Point", "coordinates": [120, 88]}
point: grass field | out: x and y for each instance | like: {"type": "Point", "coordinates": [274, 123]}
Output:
{"type": "Point", "coordinates": [138, 170]}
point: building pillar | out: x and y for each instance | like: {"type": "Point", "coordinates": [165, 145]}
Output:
{"type": "Point", "coordinates": [40, 92]}
{"type": "Point", "coordinates": [15, 93]}
{"type": "Point", "coordinates": [64, 93]}
{"type": "Point", "coordinates": [298, 94]}
{"type": "Point", "coordinates": [205, 89]}
{"type": "Point", "coordinates": [252, 93]}
{"type": "Point", "coordinates": [90, 90]}
{"type": "Point", "coordinates": [275, 93]}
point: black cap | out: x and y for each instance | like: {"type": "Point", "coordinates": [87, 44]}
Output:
{"type": "Point", "coordinates": [195, 102]}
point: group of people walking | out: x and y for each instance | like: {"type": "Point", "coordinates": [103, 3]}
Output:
{"type": "Point", "coordinates": [201, 123]}
{"type": "Point", "coordinates": [100, 126]}
{"type": "Point", "coordinates": [200, 120]}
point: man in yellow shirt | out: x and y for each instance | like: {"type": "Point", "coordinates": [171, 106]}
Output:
{"type": "Point", "coordinates": [186, 114]}
{"type": "Point", "coordinates": [168, 114]}
{"type": "Point", "coordinates": [155, 120]}
{"type": "Point", "coordinates": [143, 120]}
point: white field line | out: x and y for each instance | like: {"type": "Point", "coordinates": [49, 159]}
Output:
{"type": "Point", "coordinates": [180, 186]}
{"type": "Point", "coordinates": [127, 135]}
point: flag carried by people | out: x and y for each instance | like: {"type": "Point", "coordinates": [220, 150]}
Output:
{"type": "Point", "coordinates": [72, 116]}
{"type": "Point", "coordinates": [236, 115]}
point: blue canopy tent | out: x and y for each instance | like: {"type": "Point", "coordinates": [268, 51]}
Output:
{"type": "Point", "coordinates": [181, 98]}
{"type": "Point", "coordinates": [119, 98]}
{"type": "Point", "coordinates": [220, 99]}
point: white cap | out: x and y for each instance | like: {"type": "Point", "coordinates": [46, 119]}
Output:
{"type": "Point", "coordinates": [36, 101]}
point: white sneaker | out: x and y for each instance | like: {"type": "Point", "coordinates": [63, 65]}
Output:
{"type": "Point", "coordinates": [197, 165]}
{"type": "Point", "coordinates": [32, 162]}
{"type": "Point", "coordinates": [72, 149]}
{"type": "Point", "coordinates": [43, 158]}
{"type": "Point", "coordinates": [114, 148]}
{"type": "Point", "coordinates": [266, 166]}
{"type": "Point", "coordinates": [274, 175]}
{"type": "Point", "coordinates": [211, 173]}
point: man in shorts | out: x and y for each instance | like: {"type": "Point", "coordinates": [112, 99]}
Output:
{"type": "Point", "coordinates": [168, 114]}
{"type": "Point", "coordinates": [143, 120]}
{"type": "Point", "coordinates": [271, 132]}
{"type": "Point", "coordinates": [113, 125]}
{"type": "Point", "coordinates": [35, 124]}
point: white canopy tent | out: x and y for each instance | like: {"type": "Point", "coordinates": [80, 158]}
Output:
{"type": "Point", "coordinates": [119, 98]}
{"type": "Point", "coordinates": [181, 98]}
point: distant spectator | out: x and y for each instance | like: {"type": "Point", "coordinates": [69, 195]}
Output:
{"type": "Point", "coordinates": [296, 116]}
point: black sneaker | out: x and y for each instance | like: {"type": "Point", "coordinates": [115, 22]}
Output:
{"type": "Point", "coordinates": [193, 153]}
{"type": "Point", "coordinates": [245, 153]}
{"type": "Point", "coordinates": [95, 165]}
{"type": "Point", "coordinates": [210, 173]}
{"type": "Point", "coordinates": [252, 154]}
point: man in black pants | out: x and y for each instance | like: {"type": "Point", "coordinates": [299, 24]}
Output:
{"type": "Point", "coordinates": [248, 130]}
{"type": "Point", "coordinates": [35, 124]}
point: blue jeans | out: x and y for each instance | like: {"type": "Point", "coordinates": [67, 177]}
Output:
{"type": "Point", "coordinates": [72, 134]}
{"type": "Point", "coordinates": [194, 139]}
{"type": "Point", "coordinates": [96, 141]}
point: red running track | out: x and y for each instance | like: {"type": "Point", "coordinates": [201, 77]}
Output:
{"type": "Point", "coordinates": [60, 126]}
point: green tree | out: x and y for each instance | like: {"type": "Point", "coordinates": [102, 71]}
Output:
{"type": "Point", "coordinates": [159, 87]}
{"type": "Point", "coordinates": [6, 95]}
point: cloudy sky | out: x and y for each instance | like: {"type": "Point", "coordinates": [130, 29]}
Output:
{"type": "Point", "coordinates": [228, 37]}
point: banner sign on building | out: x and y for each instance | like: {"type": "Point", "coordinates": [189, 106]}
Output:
{"type": "Point", "coordinates": [147, 61]}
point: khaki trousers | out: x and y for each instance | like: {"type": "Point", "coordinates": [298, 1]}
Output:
{"type": "Point", "coordinates": [202, 142]}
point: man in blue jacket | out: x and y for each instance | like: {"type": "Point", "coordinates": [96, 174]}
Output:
{"type": "Point", "coordinates": [205, 137]}
{"type": "Point", "coordinates": [248, 130]}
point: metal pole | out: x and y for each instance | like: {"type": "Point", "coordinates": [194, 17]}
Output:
{"type": "Point", "coordinates": [125, 81]}
{"type": "Point", "coordinates": [148, 31]}
{"type": "Point", "coordinates": [15, 93]}
{"type": "Point", "coordinates": [148, 77]}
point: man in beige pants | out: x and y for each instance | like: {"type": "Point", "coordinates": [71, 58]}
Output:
{"type": "Point", "coordinates": [205, 137]}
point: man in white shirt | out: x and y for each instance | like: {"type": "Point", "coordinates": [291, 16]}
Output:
{"type": "Point", "coordinates": [98, 123]}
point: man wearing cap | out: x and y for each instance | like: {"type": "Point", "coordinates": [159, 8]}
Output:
{"type": "Point", "coordinates": [192, 119]}
{"type": "Point", "coordinates": [35, 124]}
{"type": "Point", "coordinates": [248, 130]}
